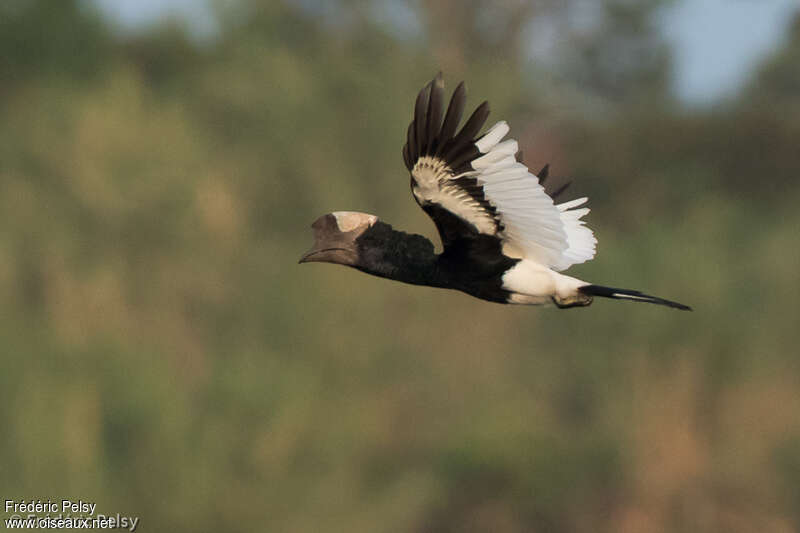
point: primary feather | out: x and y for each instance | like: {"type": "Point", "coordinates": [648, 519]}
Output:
{"type": "Point", "coordinates": [480, 180]}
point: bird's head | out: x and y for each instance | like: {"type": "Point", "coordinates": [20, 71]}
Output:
{"type": "Point", "coordinates": [335, 236]}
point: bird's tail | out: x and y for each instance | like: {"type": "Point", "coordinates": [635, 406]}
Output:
{"type": "Point", "coordinates": [628, 294]}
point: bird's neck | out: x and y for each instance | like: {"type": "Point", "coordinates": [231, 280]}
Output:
{"type": "Point", "coordinates": [400, 256]}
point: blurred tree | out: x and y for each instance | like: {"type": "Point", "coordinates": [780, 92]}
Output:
{"type": "Point", "coordinates": [611, 50]}
{"type": "Point", "coordinates": [616, 52]}
{"type": "Point", "coordinates": [462, 32]}
{"type": "Point", "coordinates": [38, 37]}
{"type": "Point", "coordinates": [777, 83]}
{"type": "Point", "coordinates": [165, 55]}
{"type": "Point", "coordinates": [157, 332]}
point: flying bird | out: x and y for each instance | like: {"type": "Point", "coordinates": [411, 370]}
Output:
{"type": "Point", "coordinates": [504, 238]}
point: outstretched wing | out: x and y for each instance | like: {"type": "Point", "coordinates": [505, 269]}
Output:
{"type": "Point", "coordinates": [474, 185]}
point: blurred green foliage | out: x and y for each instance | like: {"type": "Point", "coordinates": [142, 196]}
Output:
{"type": "Point", "coordinates": [164, 355]}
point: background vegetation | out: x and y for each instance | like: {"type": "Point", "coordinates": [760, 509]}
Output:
{"type": "Point", "coordinates": [164, 356]}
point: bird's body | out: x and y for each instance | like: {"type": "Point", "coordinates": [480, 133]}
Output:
{"type": "Point", "coordinates": [504, 238]}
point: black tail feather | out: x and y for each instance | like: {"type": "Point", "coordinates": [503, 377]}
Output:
{"type": "Point", "coordinates": [628, 294]}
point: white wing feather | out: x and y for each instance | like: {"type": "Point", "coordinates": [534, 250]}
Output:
{"type": "Point", "coordinates": [534, 227]}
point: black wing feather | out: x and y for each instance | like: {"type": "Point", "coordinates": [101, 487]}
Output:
{"type": "Point", "coordinates": [406, 156]}
{"type": "Point", "coordinates": [452, 118]}
{"type": "Point", "coordinates": [466, 136]}
{"type": "Point", "coordinates": [420, 110]}
{"type": "Point", "coordinates": [428, 135]}
{"type": "Point", "coordinates": [542, 173]}
{"type": "Point", "coordinates": [434, 123]}
{"type": "Point", "coordinates": [558, 192]}
{"type": "Point", "coordinates": [450, 154]}
{"type": "Point", "coordinates": [460, 162]}
{"type": "Point", "coordinates": [411, 143]}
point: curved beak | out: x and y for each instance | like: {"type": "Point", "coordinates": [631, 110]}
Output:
{"type": "Point", "coordinates": [328, 255]}
{"type": "Point", "coordinates": [307, 257]}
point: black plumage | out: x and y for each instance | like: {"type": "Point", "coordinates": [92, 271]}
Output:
{"type": "Point", "coordinates": [440, 140]}
{"type": "Point", "coordinates": [451, 119]}
{"type": "Point", "coordinates": [492, 248]}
